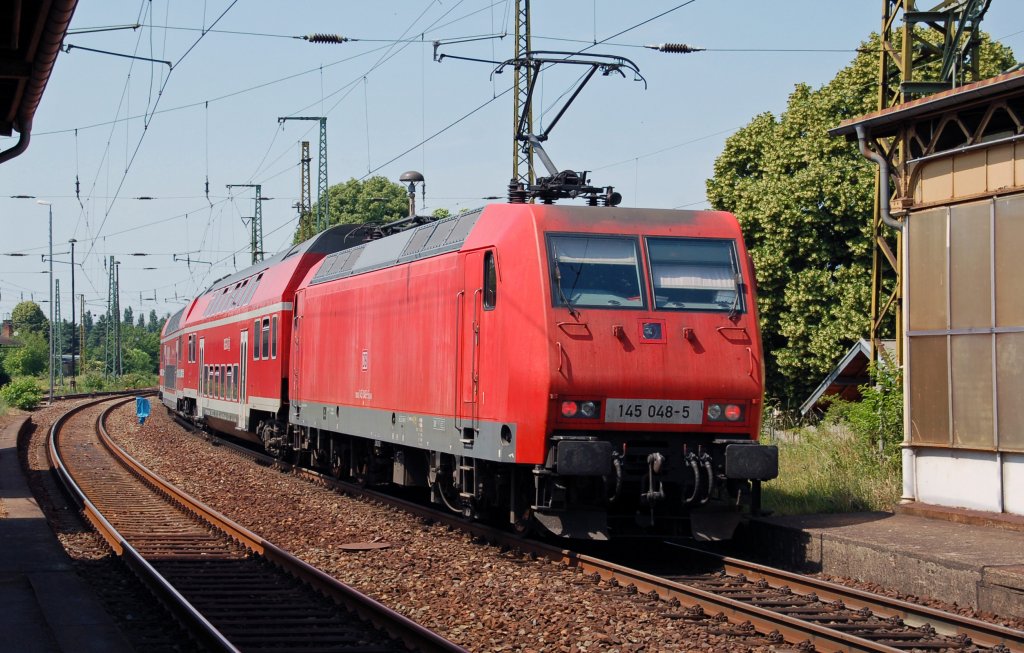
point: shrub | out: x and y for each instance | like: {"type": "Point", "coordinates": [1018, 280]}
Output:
{"type": "Point", "coordinates": [850, 461]}
{"type": "Point", "coordinates": [23, 392]}
{"type": "Point", "coordinates": [876, 421]}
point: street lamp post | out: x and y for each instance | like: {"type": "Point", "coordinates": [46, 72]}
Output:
{"type": "Point", "coordinates": [72, 241]}
{"type": "Point", "coordinates": [50, 209]}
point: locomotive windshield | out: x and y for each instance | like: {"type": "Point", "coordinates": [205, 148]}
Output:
{"type": "Point", "coordinates": [595, 271]}
{"type": "Point", "coordinates": [694, 274]}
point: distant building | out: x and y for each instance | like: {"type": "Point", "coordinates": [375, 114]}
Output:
{"type": "Point", "coordinates": [7, 338]}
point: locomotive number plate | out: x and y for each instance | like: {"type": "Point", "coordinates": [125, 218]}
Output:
{"type": "Point", "coordinates": [653, 411]}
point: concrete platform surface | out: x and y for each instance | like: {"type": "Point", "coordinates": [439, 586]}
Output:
{"type": "Point", "coordinates": [972, 565]}
{"type": "Point", "coordinates": [44, 605]}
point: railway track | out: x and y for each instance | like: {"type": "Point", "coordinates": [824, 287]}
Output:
{"type": "Point", "coordinates": [882, 619]}
{"type": "Point", "coordinates": [782, 607]}
{"type": "Point", "coordinates": [231, 589]}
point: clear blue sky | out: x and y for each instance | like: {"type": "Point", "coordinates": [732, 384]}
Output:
{"type": "Point", "coordinates": [382, 94]}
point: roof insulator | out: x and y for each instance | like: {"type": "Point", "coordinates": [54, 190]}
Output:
{"type": "Point", "coordinates": [675, 48]}
{"type": "Point", "coordinates": [325, 38]}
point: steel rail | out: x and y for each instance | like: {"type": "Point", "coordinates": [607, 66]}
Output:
{"type": "Point", "coordinates": [793, 630]}
{"type": "Point", "coordinates": [194, 621]}
{"type": "Point", "coordinates": [981, 633]}
{"type": "Point", "coordinates": [409, 632]}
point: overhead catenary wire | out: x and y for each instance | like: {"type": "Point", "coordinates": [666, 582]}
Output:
{"type": "Point", "coordinates": [147, 119]}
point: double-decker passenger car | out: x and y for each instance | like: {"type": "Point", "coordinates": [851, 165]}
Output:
{"type": "Point", "coordinates": [224, 357]}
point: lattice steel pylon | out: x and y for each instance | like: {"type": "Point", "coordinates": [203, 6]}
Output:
{"type": "Point", "coordinates": [322, 213]}
{"type": "Point", "coordinates": [522, 152]}
{"type": "Point", "coordinates": [58, 335]}
{"type": "Point", "coordinates": [904, 53]}
{"type": "Point", "coordinates": [81, 331]}
{"type": "Point", "coordinates": [256, 222]}
{"type": "Point", "coordinates": [112, 364]}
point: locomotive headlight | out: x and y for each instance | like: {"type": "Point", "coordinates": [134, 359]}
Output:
{"type": "Point", "coordinates": [580, 409]}
{"type": "Point", "coordinates": [725, 412]}
{"type": "Point", "coordinates": [569, 408]}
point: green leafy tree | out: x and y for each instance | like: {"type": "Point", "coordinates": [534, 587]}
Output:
{"type": "Point", "coordinates": [374, 200]}
{"type": "Point", "coordinates": [804, 200]}
{"type": "Point", "coordinates": [136, 360]}
{"type": "Point", "coordinates": [129, 317]}
{"type": "Point", "coordinates": [28, 317]}
{"type": "Point", "coordinates": [28, 359]}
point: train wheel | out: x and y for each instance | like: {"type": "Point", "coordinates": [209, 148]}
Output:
{"type": "Point", "coordinates": [524, 523]}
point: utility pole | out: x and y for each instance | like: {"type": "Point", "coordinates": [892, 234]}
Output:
{"type": "Point", "coordinates": [256, 239]}
{"type": "Point", "coordinates": [904, 54]}
{"type": "Point", "coordinates": [322, 216]}
{"type": "Point", "coordinates": [57, 347]}
{"type": "Point", "coordinates": [522, 152]}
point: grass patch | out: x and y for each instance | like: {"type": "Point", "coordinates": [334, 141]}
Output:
{"type": "Point", "coordinates": [4, 408]}
{"type": "Point", "coordinates": [825, 469]}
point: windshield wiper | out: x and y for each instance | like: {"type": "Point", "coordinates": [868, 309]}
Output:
{"type": "Point", "coordinates": [734, 311]}
{"type": "Point", "coordinates": [561, 293]}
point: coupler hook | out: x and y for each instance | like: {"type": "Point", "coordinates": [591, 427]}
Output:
{"type": "Point", "coordinates": [654, 464]}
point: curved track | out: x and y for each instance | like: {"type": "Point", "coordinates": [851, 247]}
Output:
{"type": "Point", "coordinates": [232, 589]}
{"type": "Point", "coordinates": [782, 606]}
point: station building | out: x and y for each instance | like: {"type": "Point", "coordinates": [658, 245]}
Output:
{"type": "Point", "coordinates": [958, 196]}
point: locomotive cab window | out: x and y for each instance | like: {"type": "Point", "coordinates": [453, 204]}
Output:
{"type": "Point", "coordinates": [490, 282]}
{"type": "Point", "coordinates": [594, 271]}
{"type": "Point", "coordinates": [695, 274]}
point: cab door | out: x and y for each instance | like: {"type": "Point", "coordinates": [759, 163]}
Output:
{"type": "Point", "coordinates": [243, 378]}
{"type": "Point", "coordinates": [295, 383]}
{"type": "Point", "coordinates": [204, 379]}
{"type": "Point", "coordinates": [469, 343]}
{"type": "Point", "coordinates": [479, 297]}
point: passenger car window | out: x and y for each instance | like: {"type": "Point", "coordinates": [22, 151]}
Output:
{"type": "Point", "coordinates": [266, 337]}
{"type": "Point", "coordinates": [594, 271]}
{"type": "Point", "coordinates": [695, 274]}
{"type": "Point", "coordinates": [273, 337]}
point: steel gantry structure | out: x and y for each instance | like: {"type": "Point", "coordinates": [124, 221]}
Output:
{"type": "Point", "coordinates": [113, 362]}
{"type": "Point", "coordinates": [522, 151]}
{"type": "Point", "coordinates": [322, 215]}
{"type": "Point", "coordinates": [912, 64]}
{"type": "Point", "coordinates": [256, 222]}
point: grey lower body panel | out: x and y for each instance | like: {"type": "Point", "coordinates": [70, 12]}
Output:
{"type": "Point", "coordinates": [431, 432]}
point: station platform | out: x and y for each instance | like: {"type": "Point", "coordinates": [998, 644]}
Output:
{"type": "Point", "coordinates": [974, 560]}
{"type": "Point", "coordinates": [44, 605]}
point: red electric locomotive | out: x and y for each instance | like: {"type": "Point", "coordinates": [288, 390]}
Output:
{"type": "Point", "coordinates": [593, 370]}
